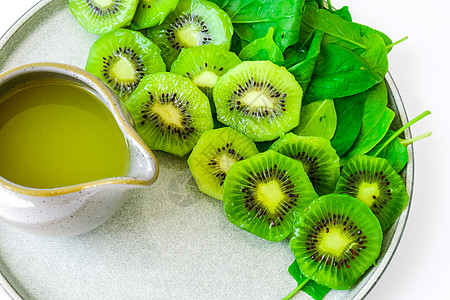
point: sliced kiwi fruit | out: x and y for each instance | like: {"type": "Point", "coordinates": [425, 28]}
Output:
{"type": "Point", "coordinates": [262, 192]}
{"type": "Point", "coordinates": [152, 12]}
{"type": "Point", "coordinates": [373, 181]}
{"type": "Point", "coordinates": [204, 65]}
{"type": "Point", "coordinates": [335, 240]}
{"type": "Point", "coordinates": [170, 112]}
{"type": "Point", "coordinates": [121, 58]}
{"type": "Point", "coordinates": [318, 157]}
{"type": "Point", "coordinates": [259, 99]}
{"type": "Point", "coordinates": [101, 16]}
{"type": "Point", "coordinates": [193, 23]}
{"type": "Point", "coordinates": [213, 155]}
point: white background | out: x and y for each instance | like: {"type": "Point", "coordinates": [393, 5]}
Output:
{"type": "Point", "coordinates": [420, 66]}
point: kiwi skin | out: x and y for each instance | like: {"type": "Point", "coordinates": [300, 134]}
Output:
{"type": "Point", "coordinates": [150, 13]}
{"type": "Point", "coordinates": [318, 157]}
{"type": "Point", "coordinates": [170, 112]}
{"type": "Point", "coordinates": [193, 12]}
{"type": "Point", "coordinates": [113, 54]}
{"type": "Point", "coordinates": [99, 21]}
{"type": "Point", "coordinates": [375, 182]}
{"type": "Point", "coordinates": [336, 238]}
{"type": "Point", "coordinates": [262, 192]}
{"type": "Point", "coordinates": [214, 154]}
{"type": "Point", "coordinates": [259, 99]}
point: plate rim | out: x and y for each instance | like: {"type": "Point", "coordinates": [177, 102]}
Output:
{"type": "Point", "coordinates": [408, 176]}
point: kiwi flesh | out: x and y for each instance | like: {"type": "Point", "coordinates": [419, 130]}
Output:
{"type": "Point", "coordinates": [335, 240]}
{"type": "Point", "coordinates": [262, 192]}
{"type": "Point", "coordinates": [213, 155]}
{"type": "Point", "coordinates": [259, 99]}
{"type": "Point", "coordinates": [375, 182]}
{"type": "Point", "coordinates": [193, 23]}
{"type": "Point", "coordinates": [204, 65]}
{"type": "Point", "coordinates": [318, 157]}
{"type": "Point", "coordinates": [152, 12]}
{"type": "Point", "coordinates": [101, 16]}
{"type": "Point", "coordinates": [121, 58]}
{"type": "Point", "coordinates": [170, 113]}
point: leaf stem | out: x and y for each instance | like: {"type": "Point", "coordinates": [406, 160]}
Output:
{"type": "Point", "coordinates": [389, 47]}
{"type": "Point", "coordinates": [415, 139]}
{"type": "Point", "coordinates": [330, 7]}
{"type": "Point", "coordinates": [403, 128]}
{"type": "Point", "coordinates": [298, 288]}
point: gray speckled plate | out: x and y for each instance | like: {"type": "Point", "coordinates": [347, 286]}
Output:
{"type": "Point", "coordinates": [169, 241]}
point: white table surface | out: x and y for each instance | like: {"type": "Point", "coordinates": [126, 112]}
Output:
{"type": "Point", "coordinates": [420, 67]}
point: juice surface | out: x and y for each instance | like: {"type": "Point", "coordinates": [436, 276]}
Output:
{"type": "Point", "coordinates": [56, 134]}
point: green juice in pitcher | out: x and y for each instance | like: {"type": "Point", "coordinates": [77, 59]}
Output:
{"type": "Point", "coordinates": [55, 134]}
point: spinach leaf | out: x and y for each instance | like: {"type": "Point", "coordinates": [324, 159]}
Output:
{"type": "Point", "coordinates": [366, 30]}
{"type": "Point", "coordinates": [302, 63]}
{"type": "Point", "coordinates": [374, 108]}
{"type": "Point", "coordinates": [375, 54]}
{"type": "Point", "coordinates": [376, 102]}
{"type": "Point", "coordinates": [317, 3]}
{"type": "Point", "coordinates": [349, 111]}
{"type": "Point", "coordinates": [365, 41]}
{"type": "Point", "coordinates": [236, 45]}
{"type": "Point", "coordinates": [252, 19]}
{"type": "Point", "coordinates": [263, 49]}
{"type": "Point", "coordinates": [338, 30]}
{"type": "Point", "coordinates": [340, 72]}
{"type": "Point", "coordinates": [313, 289]}
{"type": "Point", "coordinates": [371, 135]}
{"type": "Point", "coordinates": [344, 13]}
{"type": "Point", "coordinates": [317, 119]}
{"type": "Point", "coordinates": [395, 153]}
{"type": "Point", "coordinates": [394, 149]}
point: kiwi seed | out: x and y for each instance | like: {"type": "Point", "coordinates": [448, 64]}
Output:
{"type": "Point", "coordinates": [262, 192]}
{"type": "Point", "coordinates": [375, 182]}
{"type": "Point", "coordinates": [335, 240]}
{"type": "Point", "coordinates": [168, 101]}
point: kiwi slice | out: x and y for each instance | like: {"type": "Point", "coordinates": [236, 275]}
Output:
{"type": "Point", "coordinates": [152, 12]}
{"type": "Point", "coordinates": [261, 193]}
{"type": "Point", "coordinates": [373, 181]}
{"type": "Point", "coordinates": [335, 240]}
{"type": "Point", "coordinates": [170, 112]}
{"type": "Point", "coordinates": [193, 23]}
{"type": "Point", "coordinates": [318, 157]}
{"type": "Point", "coordinates": [204, 65]}
{"type": "Point", "coordinates": [121, 58]}
{"type": "Point", "coordinates": [101, 16]}
{"type": "Point", "coordinates": [259, 99]}
{"type": "Point", "coordinates": [216, 151]}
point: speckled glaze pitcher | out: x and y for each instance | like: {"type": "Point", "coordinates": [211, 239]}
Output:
{"type": "Point", "coordinates": [79, 208]}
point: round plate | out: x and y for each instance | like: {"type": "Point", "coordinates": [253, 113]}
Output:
{"type": "Point", "coordinates": [170, 240]}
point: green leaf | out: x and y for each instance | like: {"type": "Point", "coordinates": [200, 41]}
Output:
{"type": "Point", "coordinates": [366, 30]}
{"type": "Point", "coordinates": [236, 45]}
{"type": "Point", "coordinates": [263, 49]}
{"type": "Point", "coordinates": [338, 30]}
{"type": "Point", "coordinates": [339, 73]}
{"type": "Point", "coordinates": [365, 41]}
{"type": "Point", "coordinates": [393, 148]}
{"type": "Point", "coordinates": [376, 102]}
{"type": "Point", "coordinates": [252, 19]}
{"type": "Point", "coordinates": [349, 111]}
{"type": "Point", "coordinates": [344, 13]}
{"type": "Point", "coordinates": [302, 63]}
{"type": "Point", "coordinates": [395, 153]}
{"type": "Point", "coordinates": [371, 135]}
{"type": "Point", "coordinates": [313, 289]}
{"type": "Point", "coordinates": [317, 119]}
{"type": "Point", "coordinates": [376, 53]}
